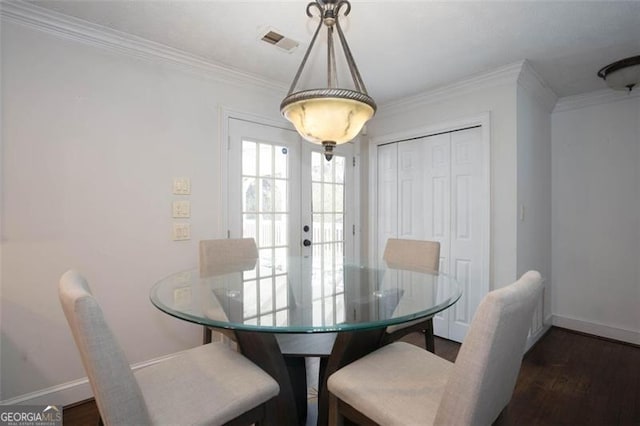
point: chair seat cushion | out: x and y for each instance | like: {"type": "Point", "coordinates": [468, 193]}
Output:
{"type": "Point", "coordinates": [209, 384]}
{"type": "Point", "coordinates": [399, 384]}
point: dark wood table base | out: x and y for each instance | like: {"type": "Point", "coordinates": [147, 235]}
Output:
{"type": "Point", "coordinates": [263, 350]}
{"type": "Point", "coordinates": [290, 406]}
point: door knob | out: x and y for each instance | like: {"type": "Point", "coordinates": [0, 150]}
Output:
{"type": "Point", "coordinates": [306, 243]}
{"type": "Point", "coordinates": [305, 228]}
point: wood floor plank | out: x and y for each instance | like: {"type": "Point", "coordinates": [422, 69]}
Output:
{"type": "Point", "coordinates": [83, 413]}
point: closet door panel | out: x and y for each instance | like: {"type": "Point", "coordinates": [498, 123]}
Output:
{"type": "Point", "coordinates": [410, 204]}
{"type": "Point", "coordinates": [410, 183]}
{"type": "Point", "coordinates": [466, 227]}
{"type": "Point", "coordinates": [436, 211]}
{"type": "Point", "coordinates": [387, 196]}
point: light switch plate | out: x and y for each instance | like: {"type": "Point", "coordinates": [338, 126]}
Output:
{"type": "Point", "coordinates": [181, 186]}
{"type": "Point", "coordinates": [181, 231]}
{"type": "Point", "coordinates": [181, 208]}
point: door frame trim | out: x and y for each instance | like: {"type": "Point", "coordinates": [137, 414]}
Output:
{"type": "Point", "coordinates": [483, 120]}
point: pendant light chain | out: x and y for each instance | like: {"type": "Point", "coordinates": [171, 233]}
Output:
{"type": "Point", "coordinates": [332, 75]}
{"type": "Point", "coordinates": [306, 56]}
{"type": "Point", "coordinates": [353, 68]}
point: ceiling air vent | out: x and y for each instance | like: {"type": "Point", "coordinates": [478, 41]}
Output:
{"type": "Point", "coordinates": [278, 40]}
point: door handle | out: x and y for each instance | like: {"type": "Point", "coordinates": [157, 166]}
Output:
{"type": "Point", "coordinates": [306, 243]}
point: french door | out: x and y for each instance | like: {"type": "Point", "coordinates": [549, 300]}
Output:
{"type": "Point", "coordinates": [292, 201]}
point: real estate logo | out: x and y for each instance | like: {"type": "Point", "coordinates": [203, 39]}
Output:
{"type": "Point", "coordinates": [30, 415]}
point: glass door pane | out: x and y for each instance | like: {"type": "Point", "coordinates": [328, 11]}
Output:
{"type": "Point", "coordinates": [265, 217]}
{"type": "Point", "coordinates": [264, 188]}
{"type": "Point", "coordinates": [328, 236]}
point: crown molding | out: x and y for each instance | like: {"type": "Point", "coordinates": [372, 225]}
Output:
{"type": "Point", "coordinates": [598, 97]}
{"type": "Point", "coordinates": [531, 81]}
{"type": "Point", "coordinates": [68, 27]}
{"type": "Point", "coordinates": [507, 74]}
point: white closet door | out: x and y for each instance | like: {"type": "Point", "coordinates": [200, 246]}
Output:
{"type": "Point", "coordinates": [467, 216]}
{"type": "Point", "coordinates": [411, 224]}
{"type": "Point", "coordinates": [410, 206]}
{"type": "Point", "coordinates": [387, 195]}
{"type": "Point", "coordinates": [433, 189]}
{"type": "Point", "coordinates": [437, 211]}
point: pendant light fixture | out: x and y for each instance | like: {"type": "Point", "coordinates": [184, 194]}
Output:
{"type": "Point", "coordinates": [332, 115]}
{"type": "Point", "coordinates": [623, 74]}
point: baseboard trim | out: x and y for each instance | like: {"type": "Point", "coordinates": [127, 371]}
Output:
{"type": "Point", "coordinates": [597, 329]}
{"type": "Point", "coordinates": [70, 392]}
{"type": "Point", "coordinates": [533, 338]}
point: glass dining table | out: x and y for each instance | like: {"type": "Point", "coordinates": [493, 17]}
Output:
{"type": "Point", "coordinates": [283, 311]}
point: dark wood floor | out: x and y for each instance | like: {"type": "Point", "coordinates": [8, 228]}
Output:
{"type": "Point", "coordinates": [567, 378]}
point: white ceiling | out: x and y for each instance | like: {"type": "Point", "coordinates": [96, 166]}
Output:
{"type": "Point", "coordinates": [401, 47]}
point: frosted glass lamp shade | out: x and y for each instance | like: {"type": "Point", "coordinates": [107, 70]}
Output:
{"type": "Point", "coordinates": [624, 78]}
{"type": "Point", "coordinates": [336, 119]}
{"type": "Point", "coordinates": [623, 74]}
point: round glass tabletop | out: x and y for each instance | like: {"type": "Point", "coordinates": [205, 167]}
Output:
{"type": "Point", "coordinates": [298, 295]}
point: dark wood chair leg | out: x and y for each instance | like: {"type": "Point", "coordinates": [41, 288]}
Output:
{"type": "Point", "coordinates": [429, 340]}
{"type": "Point", "coordinates": [348, 416]}
{"type": "Point", "coordinates": [502, 418]}
{"type": "Point", "coordinates": [206, 335]}
{"type": "Point", "coordinates": [334, 418]}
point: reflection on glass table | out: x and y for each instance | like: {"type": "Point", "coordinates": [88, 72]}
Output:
{"type": "Point", "coordinates": [298, 295]}
{"type": "Point", "coordinates": [310, 296]}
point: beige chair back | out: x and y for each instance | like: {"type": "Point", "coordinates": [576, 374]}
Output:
{"type": "Point", "coordinates": [219, 257]}
{"type": "Point", "coordinates": [418, 255]}
{"type": "Point", "coordinates": [115, 388]}
{"type": "Point", "coordinates": [487, 366]}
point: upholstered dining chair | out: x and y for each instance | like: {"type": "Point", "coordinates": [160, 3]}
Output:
{"type": "Point", "coordinates": [401, 384]}
{"type": "Point", "coordinates": [417, 255]}
{"type": "Point", "coordinates": [224, 256]}
{"type": "Point", "coordinates": [219, 257]}
{"type": "Point", "coordinates": [210, 384]}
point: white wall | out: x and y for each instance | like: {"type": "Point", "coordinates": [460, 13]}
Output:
{"type": "Point", "coordinates": [596, 215]}
{"type": "Point", "coordinates": [499, 98]}
{"type": "Point", "coordinates": [534, 105]}
{"type": "Point", "coordinates": [91, 140]}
